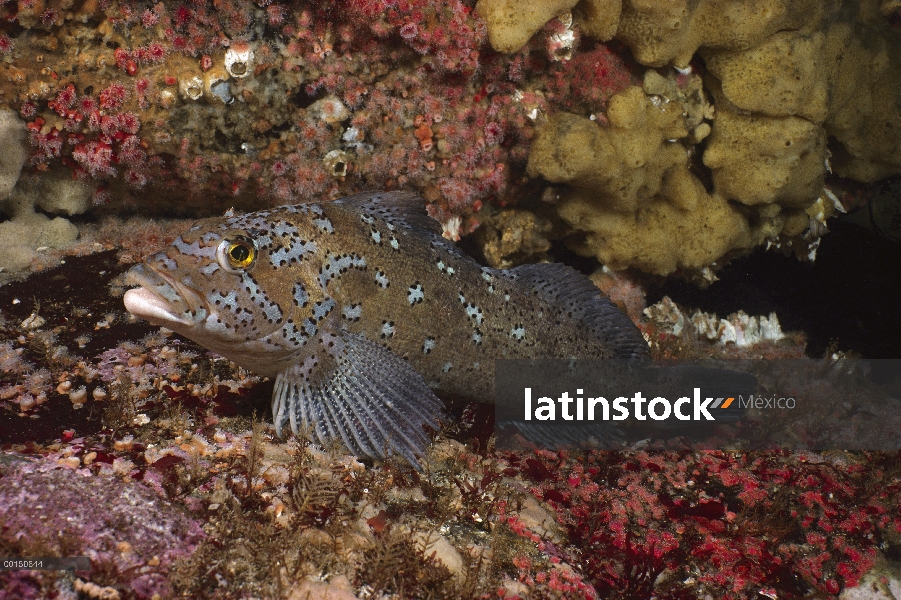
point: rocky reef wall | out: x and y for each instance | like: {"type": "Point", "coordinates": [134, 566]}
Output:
{"type": "Point", "coordinates": [662, 136]}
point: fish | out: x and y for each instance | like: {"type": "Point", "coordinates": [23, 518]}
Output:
{"type": "Point", "coordinates": [364, 315]}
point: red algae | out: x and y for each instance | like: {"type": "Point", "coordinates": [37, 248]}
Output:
{"type": "Point", "coordinates": [732, 525]}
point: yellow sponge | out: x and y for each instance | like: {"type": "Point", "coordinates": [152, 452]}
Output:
{"type": "Point", "coordinates": [758, 160]}
{"type": "Point", "coordinates": [622, 163]}
{"type": "Point", "coordinates": [511, 23]}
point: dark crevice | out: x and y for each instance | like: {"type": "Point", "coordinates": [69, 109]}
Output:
{"type": "Point", "coordinates": [847, 299]}
{"type": "Point", "coordinates": [304, 100]}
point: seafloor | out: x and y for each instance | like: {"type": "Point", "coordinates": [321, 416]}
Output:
{"type": "Point", "coordinates": [691, 157]}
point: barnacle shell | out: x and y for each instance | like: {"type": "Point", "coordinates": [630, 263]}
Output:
{"type": "Point", "coordinates": [191, 87]}
{"type": "Point", "coordinates": [239, 60]}
{"type": "Point", "coordinates": [215, 85]}
{"type": "Point", "coordinates": [336, 162]}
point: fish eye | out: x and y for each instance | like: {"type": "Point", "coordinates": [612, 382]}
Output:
{"type": "Point", "coordinates": [236, 254]}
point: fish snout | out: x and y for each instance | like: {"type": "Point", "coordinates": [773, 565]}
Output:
{"type": "Point", "coordinates": [160, 299]}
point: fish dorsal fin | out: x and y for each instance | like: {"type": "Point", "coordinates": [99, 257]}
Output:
{"type": "Point", "coordinates": [356, 391]}
{"type": "Point", "coordinates": [404, 210]}
{"type": "Point", "coordinates": [396, 208]}
{"type": "Point", "coordinates": [575, 294]}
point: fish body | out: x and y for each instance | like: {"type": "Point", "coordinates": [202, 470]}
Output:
{"type": "Point", "coordinates": [362, 311]}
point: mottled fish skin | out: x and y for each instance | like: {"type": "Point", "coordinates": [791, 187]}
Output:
{"type": "Point", "coordinates": [331, 283]}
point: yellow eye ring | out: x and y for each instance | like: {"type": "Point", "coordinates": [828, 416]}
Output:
{"type": "Point", "coordinates": [237, 254]}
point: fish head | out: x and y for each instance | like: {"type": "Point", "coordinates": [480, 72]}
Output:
{"type": "Point", "coordinates": [219, 285]}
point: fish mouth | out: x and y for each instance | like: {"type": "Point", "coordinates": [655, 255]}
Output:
{"type": "Point", "coordinates": [160, 299]}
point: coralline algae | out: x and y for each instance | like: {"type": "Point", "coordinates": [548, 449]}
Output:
{"type": "Point", "coordinates": [123, 527]}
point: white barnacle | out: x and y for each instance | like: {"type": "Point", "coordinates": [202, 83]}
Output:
{"type": "Point", "coordinates": [560, 45]}
{"type": "Point", "coordinates": [394, 243]}
{"type": "Point", "coordinates": [191, 87]}
{"type": "Point", "coordinates": [166, 98]}
{"type": "Point", "coordinates": [428, 345]}
{"type": "Point", "coordinates": [381, 279]}
{"type": "Point", "coordinates": [239, 60]}
{"type": "Point", "coordinates": [387, 329]}
{"type": "Point", "coordinates": [336, 162]}
{"type": "Point", "coordinates": [34, 321]}
{"type": "Point", "coordinates": [518, 332]}
{"type": "Point", "coordinates": [836, 203]}
{"type": "Point", "coordinates": [376, 236]}
{"type": "Point", "coordinates": [451, 228]}
{"type": "Point", "coordinates": [353, 138]}
{"type": "Point", "coordinates": [476, 337]}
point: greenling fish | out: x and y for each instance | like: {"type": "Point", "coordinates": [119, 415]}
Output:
{"type": "Point", "coordinates": [361, 312]}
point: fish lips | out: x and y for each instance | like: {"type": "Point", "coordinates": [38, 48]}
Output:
{"type": "Point", "coordinates": [160, 299]}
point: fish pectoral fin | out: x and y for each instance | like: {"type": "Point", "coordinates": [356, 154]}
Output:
{"type": "Point", "coordinates": [356, 391]}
